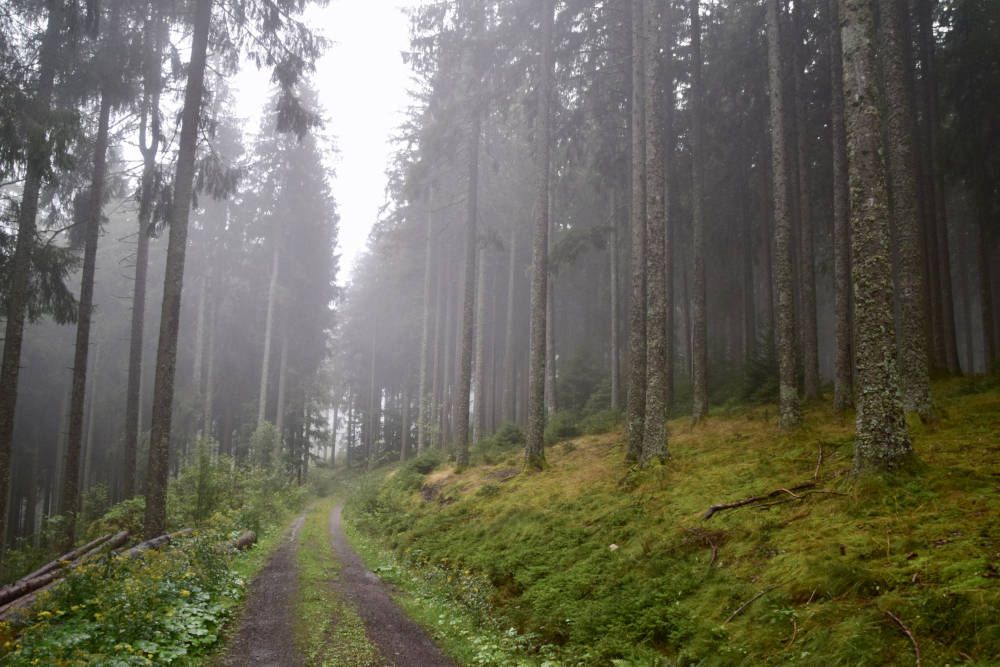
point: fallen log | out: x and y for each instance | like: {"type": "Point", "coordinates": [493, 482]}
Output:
{"type": "Point", "coordinates": [756, 499]}
{"type": "Point", "coordinates": [68, 557]}
{"type": "Point", "coordinates": [58, 568]}
{"type": "Point", "coordinates": [156, 543]}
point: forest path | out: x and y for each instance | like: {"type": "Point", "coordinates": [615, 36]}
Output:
{"type": "Point", "coordinates": [266, 637]}
{"type": "Point", "coordinates": [399, 639]}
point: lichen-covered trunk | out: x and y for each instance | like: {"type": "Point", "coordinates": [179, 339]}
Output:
{"type": "Point", "coordinates": [699, 324]}
{"type": "Point", "coordinates": [507, 400]}
{"type": "Point", "coordinates": [654, 442]}
{"type": "Point", "coordinates": [534, 451]}
{"type": "Point", "coordinates": [882, 441]}
{"type": "Point", "coordinates": [911, 290]}
{"type": "Point", "coordinates": [636, 417]}
{"type": "Point", "coordinates": [20, 263]}
{"type": "Point", "coordinates": [92, 232]}
{"type": "Point", "coordinates": [785, 338]}
{"type": "Point", "coordinates": [843, 368]}
{"type": "Point", "coordinates": [173, 282]}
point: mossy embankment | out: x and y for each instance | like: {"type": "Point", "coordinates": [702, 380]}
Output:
{"type": "Point", "coordinates": [592, 563]}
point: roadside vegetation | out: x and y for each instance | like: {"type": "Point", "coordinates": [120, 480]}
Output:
{"type": "Point", "coordinates": [593, 563]}
{"type": "Point", "coordinates": [170, 605]}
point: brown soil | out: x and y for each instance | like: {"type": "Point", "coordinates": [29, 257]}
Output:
{"type": "Point", "coordinates": [401, 641]}
{"type": "Point", "coordinates": [266, 634]}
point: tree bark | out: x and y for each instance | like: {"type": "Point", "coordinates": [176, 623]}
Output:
{"type": "Point", "coordinates": [882, 441]}
{"type": "Point", "coordinates": [479, 417]}
{"type": "Point", "coordinates": [534, 451]}
{"type": "Point", "coordinates": [425, 335]}
{"type": "Point", "coordinates": [265, 362]}
{"type": "Point", "coordinates": [509, 363]}
{"type": "Point", "coordinates": [985, 284]}
{"type": "Point", "coordinates": [636, 417]}
{"type": "Point", "coordinates": [914, 370]}
{"type": "Point", "coordinates": [20, 264]}
{"type": "Point", "coordinates": [807, 262]}
{"type": "Point", "coordinates": [207, 416]}
{"type": "Point", "coordinates": [654, 441]}
{"type": "Point", "coordinates": [699, 333]}
{"type": "Point", "coordinates": [279, 413]}
{"type": "Point", "coordinates": [166, 354]}
{"type": "Point", "coordinates": [615, 359]}
{"type": "Point", "coordinates": [149, 144]}
{"type": "Point", "coordinates": [842, 363]}
{"type": "Point", "coordinates": [92, 232]}
{"type": "Point", "coordinates": [790, 414]}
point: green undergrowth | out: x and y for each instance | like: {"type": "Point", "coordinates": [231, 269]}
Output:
{"type": "Point", "coordinates": [591, 563]}
{"type": "Point", "coordinates": [329, 631]}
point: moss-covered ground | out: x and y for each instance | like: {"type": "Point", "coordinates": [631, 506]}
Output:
{"type": "Point", "coordinates": [592, 563]}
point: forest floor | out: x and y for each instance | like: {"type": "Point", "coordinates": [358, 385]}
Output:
{"type": "Point", "coordinates": [594, 563]}
{"type": "Point", "coordinates": [316, 604]}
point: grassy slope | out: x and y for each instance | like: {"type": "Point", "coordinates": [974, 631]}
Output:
{"type": "Point", "coordinates": [924, 545]}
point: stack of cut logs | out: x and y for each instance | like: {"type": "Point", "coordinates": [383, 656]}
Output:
{"type": "Point", "coordinates": [22, 593]}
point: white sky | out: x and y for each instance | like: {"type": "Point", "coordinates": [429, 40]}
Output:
{"type": "Point", "coordinates": [363, 85]}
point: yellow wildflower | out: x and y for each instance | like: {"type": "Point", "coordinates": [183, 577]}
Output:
{"type": "Point", "coordinates": [185, 593]}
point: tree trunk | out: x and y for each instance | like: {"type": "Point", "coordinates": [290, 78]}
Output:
{"type": "Point", "coordinates": [699, 333]}
{"type": "Point", "coordinates": [508, 341]}
{"type": "Point", "coordinates": [534, 452]}
{"type": "Point", "coordinates": [425, 336]}
{"type": "Point", "coordinates": [893, 37]}
{"type": "Point", "coordinates": [936, 189]}
{"type": "Point", "coordinates": [807, 262]}
{"type": "Point", "coordinates": [479, 418]}
{"type": "Point", "coordinates": [92, 232]}
{"type": "Point", "coordinates": [468, 298]}
{"type": "Point", "coordinates": [207, 416]}
{"type": "Point", "coordinates": [882, 441]}
{"type": "Point", "coordinates": [613, 344]}
{"type": "Point", "coordinates": [18, 291]}
{"type": "Point", "coordinates": [265, 362]}
{"type": "Point", "coordinates": [636, 418]}
{"type": "Point", "coordinates": [199, 341]}
{"type": "Point", "coordinates": [842, 363]}
{"type": "Point", "coordinates": [654, 441]}
{"type": "Point", "coordinates": [166, 353]}
{"type": "Point", "coordinates": [790, 414]}
{"type": "Point", "coordinates": [985, 283]}
{"type": "Point", "coordinates": [404, 440]}
{"type": "Point", "coordinates": [279, 415]}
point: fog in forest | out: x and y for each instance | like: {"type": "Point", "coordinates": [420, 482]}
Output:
{"type": "Point", "coordinates": [249, 244]}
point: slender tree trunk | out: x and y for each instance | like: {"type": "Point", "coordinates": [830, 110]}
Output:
{"type": "Point", "coordinates": [538, 329]}
{"type": "Point", "coordinates": [807, 261]}
{"type": "Point", "coordinates": [654, 442]}
{"type": "Point", "coordinates": [468, 299]}
{"type": "Point", "coordinates": [699, 334]}
{"type": "Point", "coordinates": [199, 340]}
{"type": "Point", "coordinates": [479, 417]}
{"type": "Point", "coordinates": [896, 63]}
{"type": "Point", "coordinates": [207, 416]}
{"type": "Point", "coordinates": [985, 283]}
{"type": "Point", "coordinates": [71, 481]}
{"type": "Point", "coordinates": [509, 362]}
{"type": "Point", "coordinates": [18, 291]}
{"type": "Point", "coordinates": [636, 418]}
{"type": "Point", "coordinates": [149, 143]}
{"type": "Point", "coordinates": [935, 175]}
{"type": "Point", "coordinates": [613, 343]}
{"type": "Point", "coordinates": [842, 363]}
{"type": "Point", "coordinates": [265, 362]}
{"type": "Point", "coordinates": [668, 210]}
{"type": "Point", "coordinates": [425, 335]}
{"type": "Point", "coordinates": [404, 440]}
{"type": "Point", "coordinates": [279, 416]}
{"type": "Point", "coordinates": [882, 441]}
{"type": "Point", "coordinates": [790, 414]}
{"type": "Point", "coordinates": [166, 354]}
